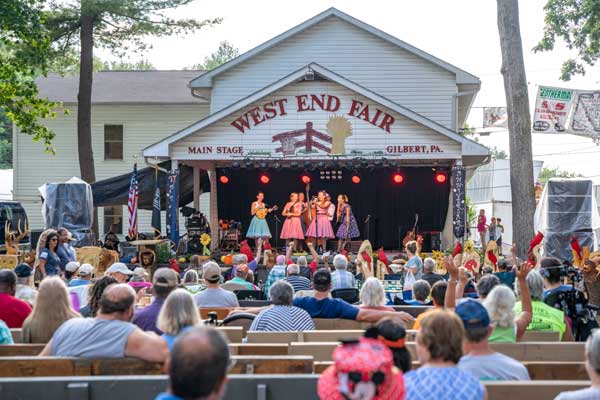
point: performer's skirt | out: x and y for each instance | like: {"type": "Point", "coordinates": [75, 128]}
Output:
{"type": "Point", "coordinates": [258, 228]}
{"type": "Point", "coordinates": [292, 228]}
{"type": "Point", "coordinates": [320, 227]}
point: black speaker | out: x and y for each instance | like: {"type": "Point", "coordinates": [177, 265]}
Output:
{"type": "Point", "coordinates": [194, 245]}
{"type": "Point", "coordinates": [432, 240]}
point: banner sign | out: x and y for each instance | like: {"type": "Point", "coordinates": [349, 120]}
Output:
{"type": "Point", "coordinates": [585, 117]}
{"type": "Point", "coordinates": [173, 207]}
{"type": "Point", "coordinates": [495, 117]}
{"type": "Point", "coordinates": [552, 107]}
{"type": "Point", "coordinates": [458, 201]}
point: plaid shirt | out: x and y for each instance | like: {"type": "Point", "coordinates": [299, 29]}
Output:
{"type": "Point", "coordinates": [277, 273]}
{"type": "Point", "coordinates": [342, 279]}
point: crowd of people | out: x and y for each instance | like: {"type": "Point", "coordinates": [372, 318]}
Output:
{"type": "Point", "coordinates": [77, 314]}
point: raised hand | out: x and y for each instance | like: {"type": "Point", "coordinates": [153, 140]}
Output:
{"type": "Point", "coordinates": [451, 268]}
{"type": "Point", "coordinates": [523, 270]}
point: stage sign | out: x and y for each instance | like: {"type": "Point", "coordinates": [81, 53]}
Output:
{"type": "Point", "coordinates": [552, 107]}
{"type": "Point", "coordinates": [495, 117]}
{"type": "Point", "coordinates": [458, 200]}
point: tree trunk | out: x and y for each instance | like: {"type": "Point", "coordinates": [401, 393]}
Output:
{"type": "Point", "coordinates": [519, 124]}
{"type": "Point", "coordinates": [84, 105]}
{"type": "Point", "coordinates": [84, 100]}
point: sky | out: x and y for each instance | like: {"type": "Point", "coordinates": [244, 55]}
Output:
{"type": "Point", "coordinates": [461, 32]}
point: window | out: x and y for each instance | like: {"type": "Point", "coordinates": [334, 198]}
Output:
{"type": "Point", "coordinates": [113, 219]}
{"type": "Point", "coordinates": [113, 142]}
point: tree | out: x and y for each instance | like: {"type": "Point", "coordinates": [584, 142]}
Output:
{"type": "Point", "coordinates": [24, 52]}
{"type": "Point", "coordinates": [577, 23]}
{"type": "Point", "coordinates": [498, 154]}
{"type": "Point", "coordinates": [116, 25]}
{"type": "Point", "coordinates": [121, 65]}
{"type": "Point", "coordinates": [548, 173]}
{"type": "Point", "coordinates": [519, 123]}
{"type": "Point", "coordinates": [224, 53]}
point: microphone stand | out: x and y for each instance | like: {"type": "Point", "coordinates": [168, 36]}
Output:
{"type": "Point", "coordinates": [368, 226]}
{"type": "Point", "coordinates": [277, 222]}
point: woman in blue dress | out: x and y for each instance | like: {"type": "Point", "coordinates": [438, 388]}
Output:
{"type": "Point", "coordinates": [259, 229]}
{"type": "Point", "coordinates": [348, 228]}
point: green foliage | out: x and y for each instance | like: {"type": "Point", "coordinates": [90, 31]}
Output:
{"type": "Point", "coordinates": [467, 130]}
{"type": "Point", "coordinates": [548, 173]}
{"type": "Point", "coordinates": [5, 141]}
{"type": "Point", "coordinates": [163, 253]}
{"type": "Point", "coordinates": [224, 53]}
{"type": "Point", "coordinates": [121, 65]}
{"type": "Point", "coordinates": [471, 212]}
{"type": "Point", "coordinates": [577, 23]}
{"type": "Point", "coordinates": [498, 154]}
{"type": "Point", "coordinates": [24, 52]}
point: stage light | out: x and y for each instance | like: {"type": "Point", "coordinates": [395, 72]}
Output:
{"type": "Point", "coordinates": [224, 179]}
{"type": "Point", "coordinates": [264, 178]}
{"type": "Point", "coordinates": [305, 178]}
{"type": "Point", "coordinates": [355, 178]}
{"type": "Point", "coordinates": [441, 177]}
{"type": "Point", "coordinates": [397, 178]}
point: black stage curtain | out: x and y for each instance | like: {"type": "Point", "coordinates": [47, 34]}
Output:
{"type": "Point", "coordinates": [392, 207]}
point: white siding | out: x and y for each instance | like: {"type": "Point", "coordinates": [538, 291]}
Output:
{"type": "Point", "coordinates": [355, 54]}
{"type": "Point", "coordinates": [365, 137]}
{"type": "Point", "coordinates": [143, 125]}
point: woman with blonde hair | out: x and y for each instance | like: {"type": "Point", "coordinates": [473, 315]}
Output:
{"type": "Point", "coordinates": [177, 315]}
{"type": "Point", "coordinates": [52, 308]}
{"type": "Point", "coordinates": [372, 295]}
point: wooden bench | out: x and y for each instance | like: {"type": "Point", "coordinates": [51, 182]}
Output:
{"type": "Point", "coordinates": [17, 334]}
{"type": "Point", "coordinates": [530, 390]}
{"type": "Point", "coordinates": [262, 349]}
{"type": "Point", "coordinates": [222, 312]}
{"type": "Point", "coordinates": [20, 349]}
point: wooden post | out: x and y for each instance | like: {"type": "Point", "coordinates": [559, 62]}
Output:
{"type": "Point", "coordinates": [196, 187]}
{"type": "Point", "coordinates": [214, 208]}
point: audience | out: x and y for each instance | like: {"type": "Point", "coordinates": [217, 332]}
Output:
{"type": "Point", "coordinates": [391, 333]}
{"type": "Point", "coordinates": [420, 291]}
{"type": "Point", "coordinates": [283, 316]}
{"type": "Point", "coordinates": [438, 296]}
{"type": "Point", "coordinates": [439, 349]}
{"type": "Point", "coordinates": [214, 295]}
{"type": "Point", "coordinates": [505, 273]}
{"type": "Point", "coordinates": [177, 315]}
{"type": "Point", "coordinates": [428, 274]}
{"type": "Point", "coordinates": [372, 295]}
{"type": "Point", "coordinates": [71, 269]}
{"type": "Point", "coordinates": [110, 334]}
{"type": "Point", "coordinates": [479, 359]}
{"type": "Point", "coordinates": [197, 366]}
{"type": "Point", "coordinates": [25, 290]}
{"type": "Point", "coordinates": [293, 278]}
{"type": "Point", "coordinates": [48, 260]}
{"type": "Point", "coordinates": [240, 275]}
{"type": "Point", "coordinates": [65, 250]}
{"type": "Point", "coordinates": [13, 311]}
{"type": "Point", "coordinates": [305, 270]}
{"type": "Point", "coordinates": [52, 308]}
{"type": "Point", "coordinates": [500, 303]}
{"type": "Point", "coordinates": [5, 334]}
{"type": "Point", "coordinates": [190, 278]}
{"type": "Point", "coordinates": [486, 284]}
{"type": "Point", "coordinates": [163, 283]}
{"type": "Point", "coordinates": [340, 278]}
{"type": "Point", "coordinates": [84, 276]}
{"type": "Point", "coordinates": [276, 273]}
{"type": "Point", "coordinates": [552, 271]}
{"type": "Point", "coordinates": [544, 318]}
{"type": "Point", "coordinates": [119, 271]}
{"type": "Point", "coordinates": [323, 306]}
{"type": "Point", "coordinates": [95, 294]}
{"type": "Point", "coordinates": [362, 369]}
{"type": "Point", "coordinates": [592, 366]}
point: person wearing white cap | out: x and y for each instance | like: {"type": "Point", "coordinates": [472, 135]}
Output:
{"type": "Point", "coordinates": [84, 276]}
{"type": "Point", "coordinates": [139, 279]}
{"type": "Point", "coordinates": [119, 271]}
{"type": "Point", "coordinates": [71, 269]}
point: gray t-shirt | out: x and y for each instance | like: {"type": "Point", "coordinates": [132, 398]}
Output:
{"type": "Point", "coordinates": [494, 367]}
{"type": "Point", "coordinates": [216, 297]}
{"type": "Point", "coordinates": [583, 394]}
{"type": "Point", "coordinates": [91, 338]}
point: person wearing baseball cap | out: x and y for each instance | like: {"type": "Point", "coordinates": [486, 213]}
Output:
{"type": "Point", "coordinates": [71, 269]}
{"type": "Point", "coordinates": [214, 295]}
{"type": "Point", "coordinates": [119, 271]}
{"type": "Point", "coordinates": [25, 290]}
{"type": "Point", "coordinates": [139, 279]}
{"type": "Point", "coordinates": [321, 305]}
{"type": "Point", "coordinates": [164, 281]}
{"type": "Point", "coordinates": [479, 359]}
{"type": "Point", "coordinates": [84, 276]}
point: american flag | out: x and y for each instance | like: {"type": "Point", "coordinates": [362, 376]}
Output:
{"type": "Point", "coordinates": [132, 204]}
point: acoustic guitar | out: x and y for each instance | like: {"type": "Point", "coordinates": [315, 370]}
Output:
{"type": "Point", "coordinates": [412, 233]}
{"type": "Point", "coordinates": [262, 213]}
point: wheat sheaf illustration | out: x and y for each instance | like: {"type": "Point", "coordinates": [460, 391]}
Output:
{"type": "Point", "coordinates": [339, 128]}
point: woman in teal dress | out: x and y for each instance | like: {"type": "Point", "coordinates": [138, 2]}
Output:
{"type": "Point", "coordinates": [258, 226]}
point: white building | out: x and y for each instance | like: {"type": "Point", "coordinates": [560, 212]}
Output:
{"type": "Point", "coordinates": [394, 108]}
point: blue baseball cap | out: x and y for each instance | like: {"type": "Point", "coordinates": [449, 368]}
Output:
{"type": "Point", "coordinates": [473, 314]}
{"type": "Point", "coordinates": [23, 270]}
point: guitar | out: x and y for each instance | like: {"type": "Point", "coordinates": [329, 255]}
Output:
{"type": "Point", "coordinates": [262, 213]}
{"type": "Point", "coordinates": [412, 233]}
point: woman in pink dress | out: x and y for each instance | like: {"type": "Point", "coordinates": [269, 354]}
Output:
{"type": "Point", "coordinates": [292, 227]}
{"type": "Point", "coordinates": [320, 226]}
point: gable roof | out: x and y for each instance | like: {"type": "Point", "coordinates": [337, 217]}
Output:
{"type": "Point", "coordinates": [161, 149]}
{"type": "Point", "coordinates": [205, 80]}
{"type": "Point", "coordinates": [123, 87]}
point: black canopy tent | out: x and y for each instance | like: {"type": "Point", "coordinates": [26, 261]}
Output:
{"type": "Point", "coordinates": [115, 191]}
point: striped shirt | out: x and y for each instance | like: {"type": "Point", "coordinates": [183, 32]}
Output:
{"type": "Point", "coordinates": [276, 273]}
{"type": "Point", "coordinates": [342, 279]}
{"type": "Point", "coordinates": [283, 319]}
{"type": "Point", "coordinates": [298, 282]}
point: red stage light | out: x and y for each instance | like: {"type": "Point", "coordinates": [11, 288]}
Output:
{"type": "Point", "coordinates": [224, 179]}
{"type": "Point", "coordinates": [397, 178]}
{"type": "Point", "coordinates": [305, 179]}
{"type": "Point", "coordinates": [440, 177]}
{"type": "Point", "coordinates": [264, 179]}
{"type": "Point", "coordinates": [356, 179]}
